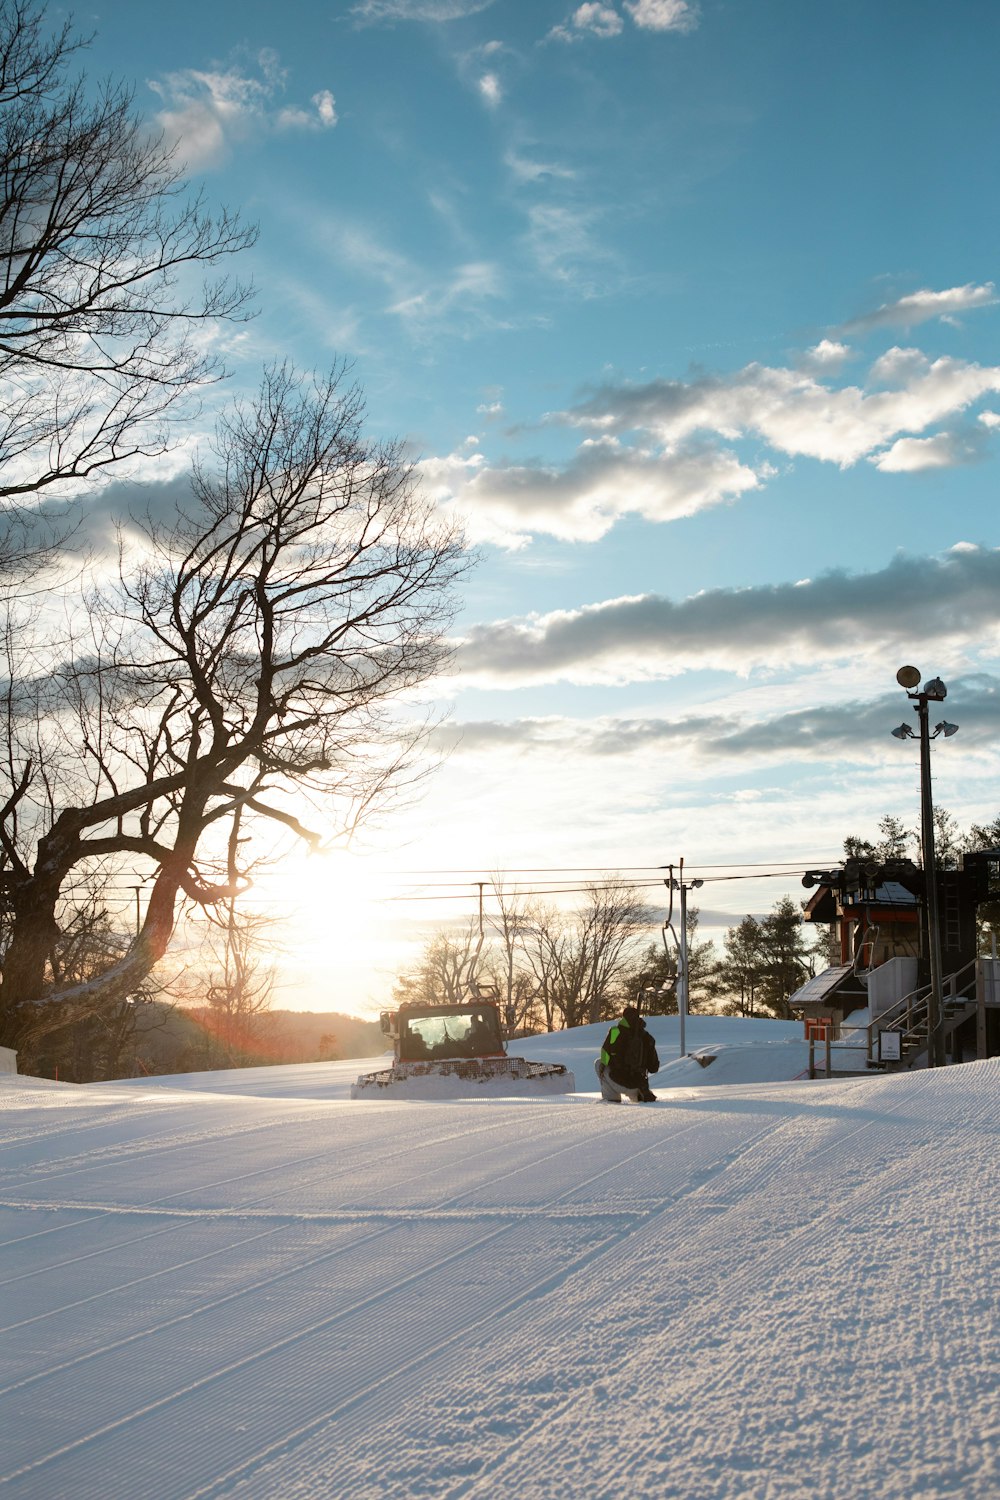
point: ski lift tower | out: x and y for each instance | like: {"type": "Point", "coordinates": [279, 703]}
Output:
{"type": "Point", "coordinates": [682, 887]}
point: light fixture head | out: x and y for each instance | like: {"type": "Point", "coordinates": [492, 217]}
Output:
{"type": "Point", "coordinates": [696, 884]}
{"type": "Point", "coordinates": [946, 729]}
{"type": "Point", "coordinates": [903, 732]}
{"type": "Point", "coordinates": [908, 677]}
{"type": "Point", "coordinates": [935, 690]}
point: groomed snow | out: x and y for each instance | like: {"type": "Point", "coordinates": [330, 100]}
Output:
{"type": "Point", "coordinates": [248, 1285]}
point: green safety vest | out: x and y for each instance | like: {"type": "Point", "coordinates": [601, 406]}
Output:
{"type": "Point", "coordinates": [612, 1038]}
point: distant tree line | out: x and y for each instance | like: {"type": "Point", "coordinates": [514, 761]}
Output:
{"type": "Point", "coordinates": [550, 968]}
{"type": "Point", "coordinates": [159, 1038]}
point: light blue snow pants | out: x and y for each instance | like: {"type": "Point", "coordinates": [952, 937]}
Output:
{"type": "Point", "coordinates": [611, 1092]}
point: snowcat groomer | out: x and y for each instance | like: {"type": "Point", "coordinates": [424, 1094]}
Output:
{"type": "Point", "coordinates": [463, 1043]}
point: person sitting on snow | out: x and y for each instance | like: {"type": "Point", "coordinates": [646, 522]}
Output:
{"type": "Point", "coordinates": [627, 1058]}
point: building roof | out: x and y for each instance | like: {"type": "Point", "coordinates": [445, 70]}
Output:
{"type": "Point", "coordinates": [821, 986]}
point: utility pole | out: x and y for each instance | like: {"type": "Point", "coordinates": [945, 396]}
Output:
{"type": "Point", "coordinates": [682, 970]}
{"type": "Point", "coordinates": [683, 976]}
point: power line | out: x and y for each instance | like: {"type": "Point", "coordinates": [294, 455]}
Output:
{"type": "Point", "coordinates": [582, 890]}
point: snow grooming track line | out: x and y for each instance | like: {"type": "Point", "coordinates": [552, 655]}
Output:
{"type": "Point", "coordinates": [752, 1276]}
{"type": "Point", "coordinates": [156, 1207]}
{"type": "Point", "coordinates": [122, 1286]}
{"type": "Point", "coordinates": [539, 1289]}
{"type": "Point", "coordinates": [210, 1306]}
{"type": "Point", "coordinates": [512, 1220]}
{"type": "Point", "coordinates": [245, 1212]}
{"type": "Point", "coordinates": [249, 1359]}
{"type": "Point", "coordinates": [395, 1216]}
{"type": "Point", "coordinates": [635, 1221]}
{"type": "Point", "coordinates": [692, 1196]}
{"type": "Point", "coordinates": [75, 1166]}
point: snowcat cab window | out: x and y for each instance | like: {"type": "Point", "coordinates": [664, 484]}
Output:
{"type": "Point", "coordinates": [473, 1035]}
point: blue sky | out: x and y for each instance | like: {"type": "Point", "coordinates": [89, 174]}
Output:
{"type": "Point", "coordinates": [691, 312]}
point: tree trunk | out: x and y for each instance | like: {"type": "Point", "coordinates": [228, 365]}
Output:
{"type": "Point", "coordinates": [22, 1019]}
{"type": "Point", "coordinates": [34, 934]}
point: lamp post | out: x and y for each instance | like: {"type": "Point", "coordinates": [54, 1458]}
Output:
{"type": "Point", "coordinates": [934, 691]}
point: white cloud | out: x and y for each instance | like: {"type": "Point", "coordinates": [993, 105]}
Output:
{"type": "Point", "coordinates": [792, 410]}
{"type": "Point", "coordinates": [560, 238]}
{"type": "Point", "coordinates": [990, 418]}
{"type": "Point", "coordinates": [467, 287]}
{"type": "Point", "coordinates": [371, 12]}
{"type": "Point", "coordinates": [605, 481]}
{"type": "Point", "coordinates": [491, 410]}
{"type": "Point", "coordinates": [207, 112]}
{"type": "Point", "coordinates": [827, 355]}
{"type": "Point", "coordinates": [918, 307]}
{"type": "Point", "coordinates": [909, 455]}
{"type": "Point", "coordinates": [490, 90]}
{"type": "Point", "coordinates": [663, 15]}
{"type": "Point", "coordinates": [325, 108]}
{"type": "Point", "coordinates": [590, 19]}
{"type": "Point", "coordinates": [835, 617]}
{"type": "Point", "coordinates": [523, 169]}
{"type": "Point", "coordinates": [602, 20]}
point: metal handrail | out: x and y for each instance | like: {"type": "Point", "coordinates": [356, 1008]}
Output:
{"type": "Point", "coordinates": [915, 1007]}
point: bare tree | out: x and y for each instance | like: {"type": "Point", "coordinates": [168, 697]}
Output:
{"type": "Point", "coordinates": [578, 961]}
{"type": "Point", "coordinates": [442, 974]}
{"type": "Point", "coordinates": [239, 985]}
{"type": "Point", "coordinates": [101, 258]}
{"type": "Point", "coordinates": [255, 650]}
{"type": "Point", "coordinates": [510, 922]}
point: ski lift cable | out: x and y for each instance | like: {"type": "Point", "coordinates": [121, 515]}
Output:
{"type": "Point", "coordinates": [581, 890]}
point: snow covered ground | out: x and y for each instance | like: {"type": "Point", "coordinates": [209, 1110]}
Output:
{"type": "Point", "coordinates": [247, 1285]}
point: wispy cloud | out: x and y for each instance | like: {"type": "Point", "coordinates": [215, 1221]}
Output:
{"type": "Point", "coordinates": [490, 90]}
{"type": "Point", "coordinates": [561, 240]}
{"type": "Point", "coordinates": [374, 12]}
{"type": "Point", "coordinates": [837, 616]}
{"type": "Point", "coordinates": [525, 169]}
{"type": "Point", "coordinates": [850, 730]}
{"type": "Point", "coordinates": [464, 290]}
{"type": "Point", "coordinates": [427, 300]}
{"type": "Point", "coordinates": [208, 111]}
{"type": "Point", "coordinates": [919, 307]}
{"type": "Point", "coordinates": [591, 19]}
{"type": "Point", "coordinates": [597, 19]}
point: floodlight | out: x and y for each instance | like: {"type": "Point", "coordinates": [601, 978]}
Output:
{"type": "Point", "coordinates": [696, 883]}
{"type": "Point", "coordinates": [904, 732]}
{"type": "Point", "coordinates": [935, 689]}
{"type": "Point", "coordinates": [908, 677]}
{"type": "Point", "coordinates": [946, 729]}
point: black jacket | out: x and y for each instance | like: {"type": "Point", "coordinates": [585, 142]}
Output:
{"type": "Point", "coordinates": [629, 1053]}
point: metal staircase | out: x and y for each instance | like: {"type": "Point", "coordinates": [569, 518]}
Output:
{"type": "Point", "coordinates": [909, 1017]}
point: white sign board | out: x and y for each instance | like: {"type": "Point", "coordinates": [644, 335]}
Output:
{"type": "Point", "coordinates": [890, 1046]}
